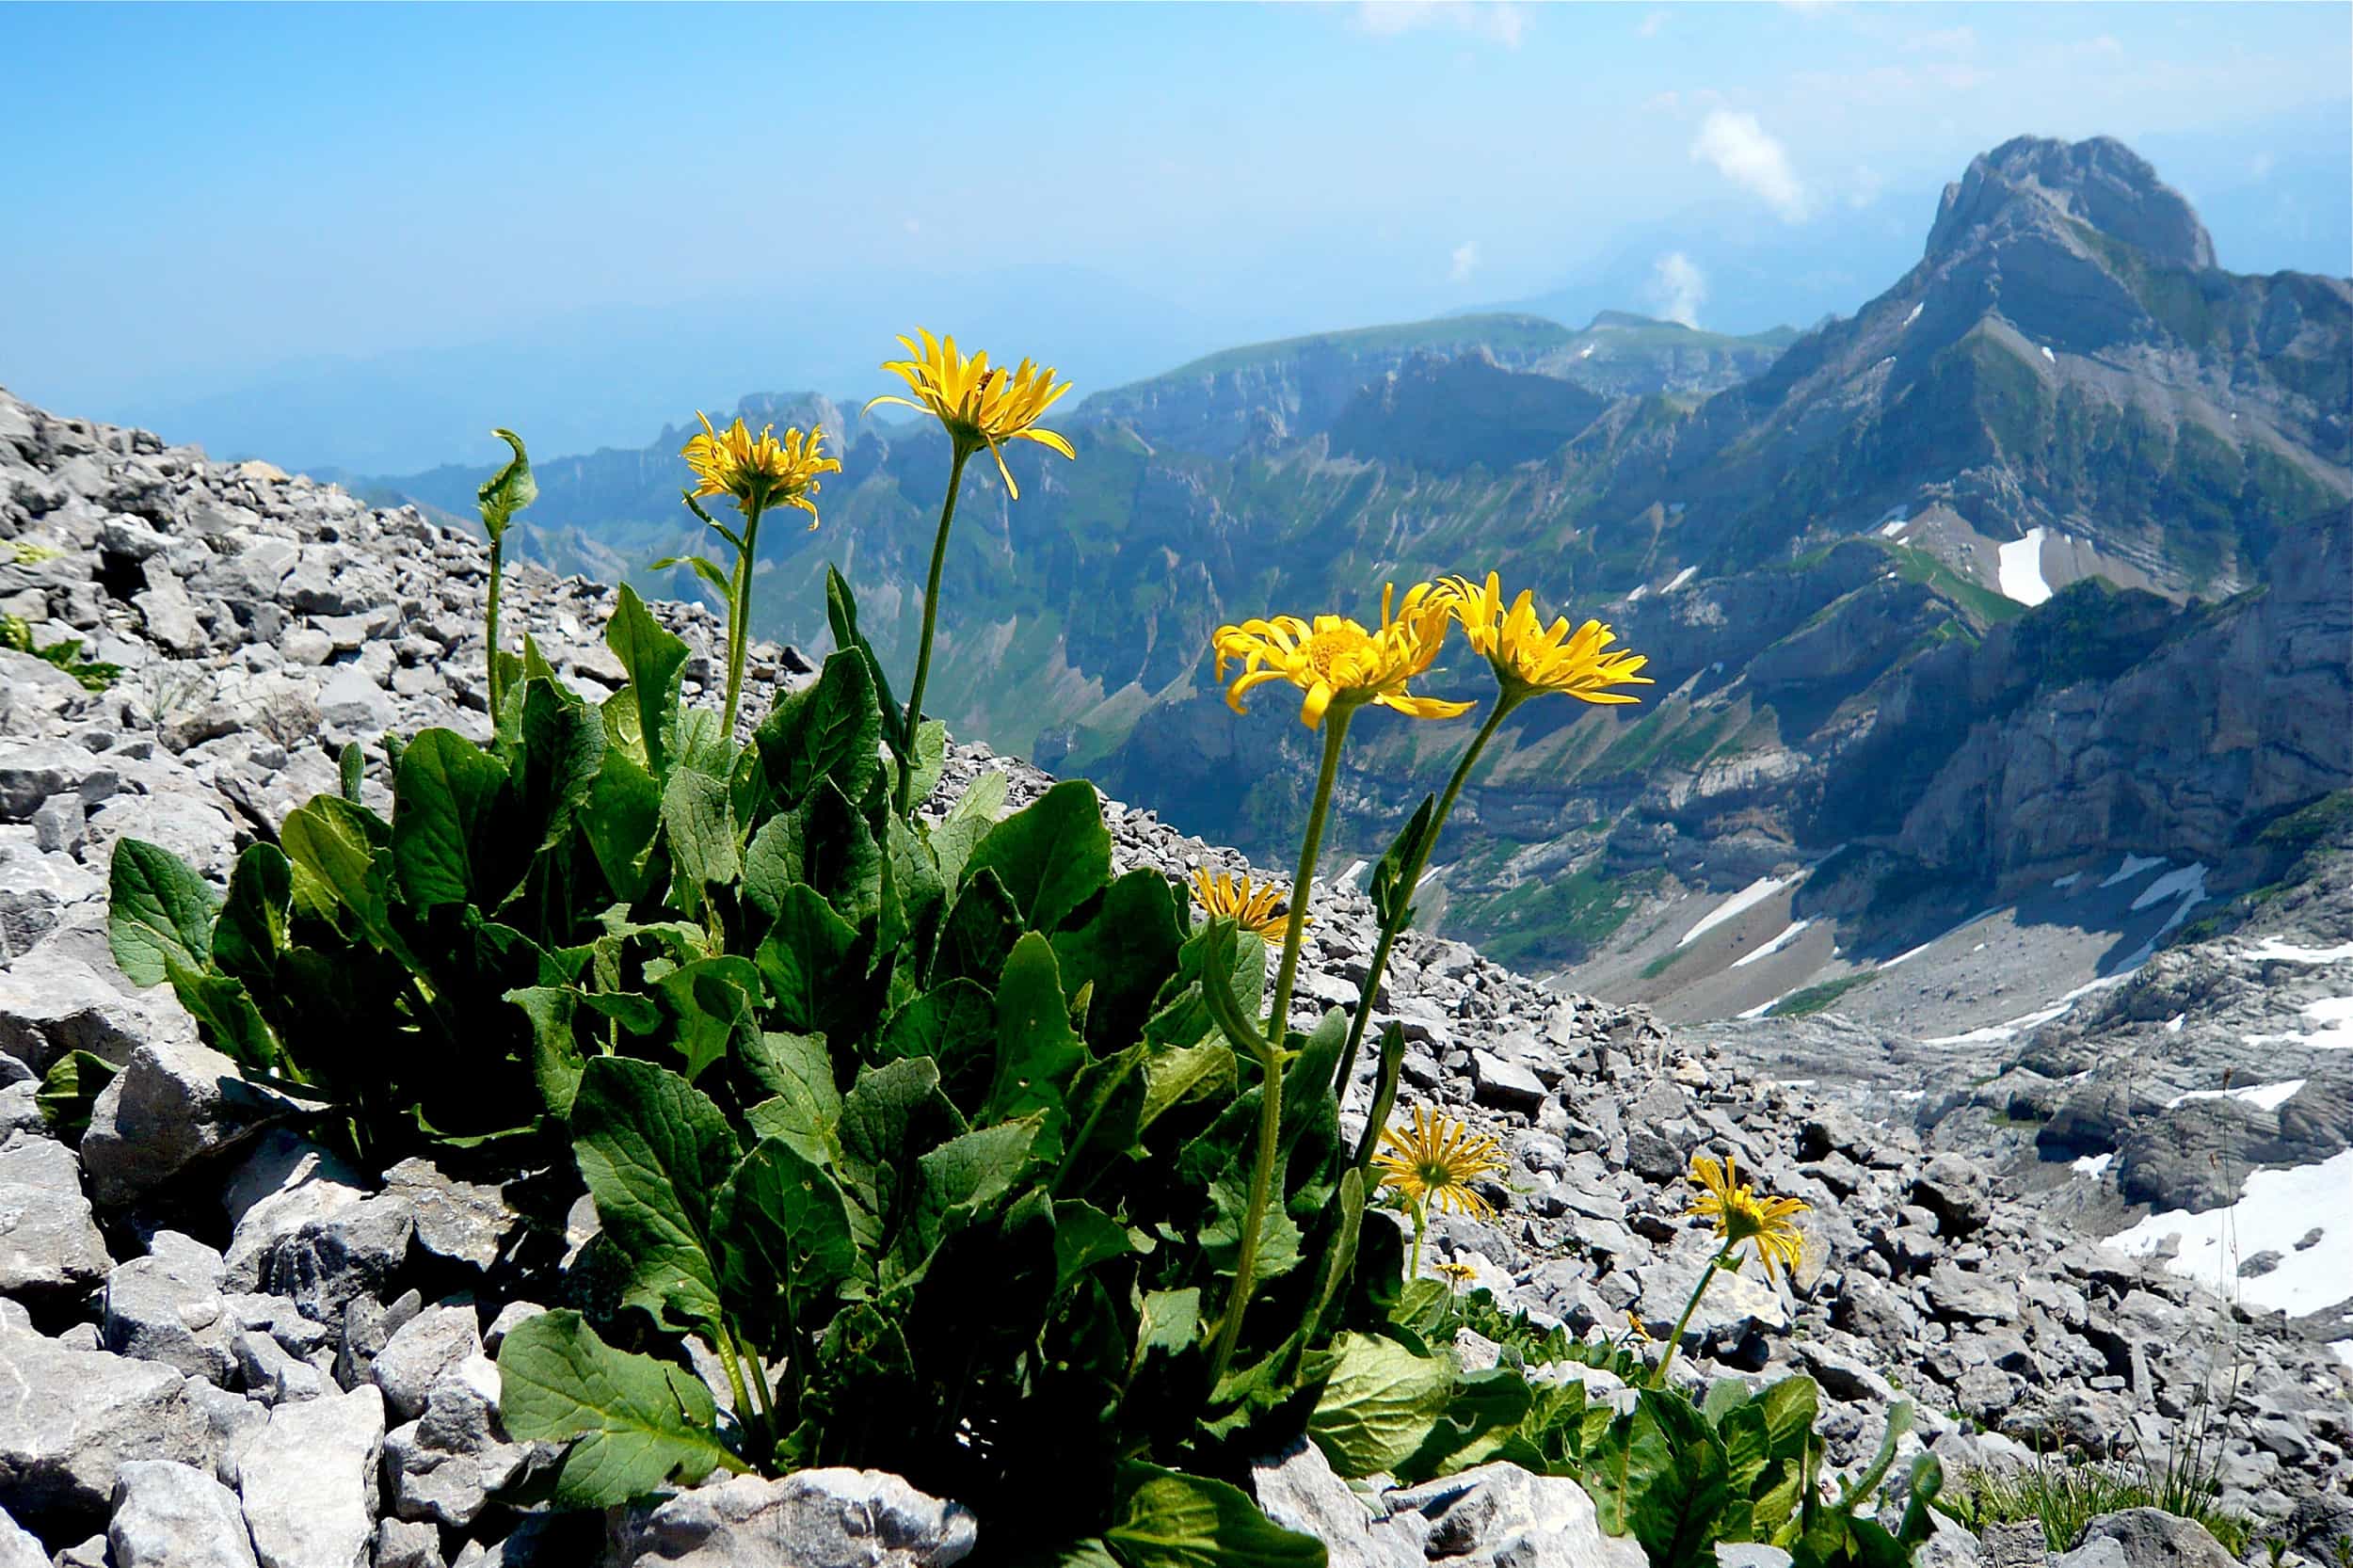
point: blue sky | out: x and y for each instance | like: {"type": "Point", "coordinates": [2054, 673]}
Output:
{"type": "Point", "coordinates": [212, 207]}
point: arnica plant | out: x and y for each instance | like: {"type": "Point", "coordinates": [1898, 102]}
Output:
{"type": "Point", "coordinates": [943, 1147]}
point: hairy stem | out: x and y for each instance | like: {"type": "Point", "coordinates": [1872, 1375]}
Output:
{"type": "Point", "coordinates": [931, 620]}
{"type": "Point", "coordinates": [1334, 732]}
{"type": "Point", "coordinates": [490, 620]}
{"type": "Point", "coordinates": [1254, 1217]}
{"type": "Point", "coordinates": [740, 613]}
{"type": "Point", "coordinates": [1674, 1340]}
{"type": "Point", "coordinates": [1395, 923]}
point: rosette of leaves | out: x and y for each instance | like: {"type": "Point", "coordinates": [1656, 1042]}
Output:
{"type": "Point", "coordinates": [928, 1132]}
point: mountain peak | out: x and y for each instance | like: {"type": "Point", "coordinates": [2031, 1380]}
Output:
{"type": "Point", "coordinates": [2100, 181]}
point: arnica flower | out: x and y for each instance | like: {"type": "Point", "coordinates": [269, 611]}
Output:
{"type": "Point", "coordinates": [1336, 660]}
{"type": "Point", "coordinates": [1458, 1276]}
{"type": "Point", "coordinates": [1529, 657]}
{"type": "Point", "coordinates": [1435, 1163]}
{"type": "Point", "coordinates": [1263, 908]}
{"type": "Point", "coordinates": [758, 471]}
{"type": "Point", "coordinates": [1740, 1215]}
{"type": "Point", "coordinates": [978, 405]}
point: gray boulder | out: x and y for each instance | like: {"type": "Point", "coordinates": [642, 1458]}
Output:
{"type": "Point", "coordinates": [169, 1515]}
{"type": "Point", "coordinates": [833, 1518]}
{"type": "Point", "coordinates": [407, 1543]}
{"type": "Point", "coordinates": [436, 1341]}
{"type": "Point", "coordinates": [52, 1003]}
{"type": "Point", "coordinates": [308, 1482]}
{"type": "Point", "coordinates": [1299, 1490]}
{"type": "Point", "coordinates": [167, 1306]}
{"type": "Point", "coordinates": [18, 1547]}
{"type": "Point", "coordinates": [2152, 1538]}
{"type": "Point", "coordinates": [1498, 1515]}
{"type": "Point", "coordinates": [174, 1102]}
{"type": "Point", "coordinates": [49, 1244]}
{"type": "Point", "coordinates": [445, 1464]}
{"type": "Point", "coordinates": [71, 1418]}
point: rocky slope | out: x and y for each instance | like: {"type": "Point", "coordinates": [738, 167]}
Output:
{"type": "Point", "coordinates": [194, 1299]}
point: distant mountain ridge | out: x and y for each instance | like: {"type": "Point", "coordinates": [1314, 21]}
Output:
{"type": "Point", "coordinates": [1810, 535]}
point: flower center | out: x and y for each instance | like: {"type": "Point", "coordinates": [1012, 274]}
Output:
{"type": "Point", "coordinates": [1341, 656]}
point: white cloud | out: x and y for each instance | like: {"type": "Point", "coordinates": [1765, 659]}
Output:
{"type": "Point", "coordinates": [1496, 20]}
{"type": "Point", "coordinates": [1465, 260]}
{"type": "Point", "coordinates": [1744, 153]}
{"type": "Point", "coordinates": [1677, 288]}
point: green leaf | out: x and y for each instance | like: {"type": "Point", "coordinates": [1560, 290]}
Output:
{"type": "Point", "coordinates": [642, 718]}
{"type": "Point", "coordinates": [783, 1224]}
{"type": "Point", "coordinates": [70, 1088]}
{"type": "Point", "coordinates": [563, 751]}
{"type": "Point", "coordinates": [1380, 1404]}
{"type": "Point", "coordinates": [931, 759]}
{"type": "Point", "coordinates": [973, 814]}
{"type": "Point", "coordinates": [449, 835]}
{"type": "Point", "coordinates": [804, 1107]}
{"type": "Point", "coordinates": [842, 614]}
{"type": "Point", "coordinates": [343, 864]}
{"type": "Point", "coordinates": [349, 773]}
{"type": "Point", "coordinates": [654, 1152]}
{"type": "Point", "coordinates": [1677, 1481]}
{"type": "Point", "coordinates": [555, 1059]}
{"type": "Point", "coordinates": [704, 567]}
{"type": "Point", "coordinates": [711, 1004]}
{"type": "Point", "coordinates": [1389, 894]}
{"type": "Point", "coordinates": [892, 1115]}
{"type": "Point", "coordinates": [957, 1181]}
{"type": "Point", "coordinates": [698, 820]}
{"type": "Point", "coordinates": [803, 958]}
{"type": "Point", "coordinates": [955, 1025]}
{"type": "Point", "coordinates": [1037, 1053]}
{"type": "Point", "coordinates": [623, 817]}
{"type": "Point", "coordinates": [1052, 855]}
{"type": "Point", "coordinates": [1170, 1323]}
{"type": "Point", "coordinates": [1168, 1519]}
{"type": "Point", "coordinates": [636, 1425]}
{"type": "Point", "coordinates": [833, 729]}
{"type": "Point", "coordinates": [159, 912]}
{"type": "Point", "coordinates": [1083, 1237]}
{"type": "Point", "coordinates": [232, 1024]}
{"type": "Point", "coordinates": [252, 930]}
{"type": "Point", "coordinates": [508, 491]}
{"type": "Point", "coordinates": [979, 934]}
{"type": "Point", "coordinates": [1127, 950]}
{"type": "Point", "coordinates": [1481, 1413]}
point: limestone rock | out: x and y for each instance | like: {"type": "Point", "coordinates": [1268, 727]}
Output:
{"type": "Point", "coordinates": [49, 1243]}
{"type": "Point", "coordinates": [171, 1516]}
{"type": "Point", "coordinates": [308, 1482]}
{"type": "Point", "coordinates": [834, 1518]}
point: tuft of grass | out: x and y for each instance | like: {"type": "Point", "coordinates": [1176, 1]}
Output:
{"type": "Point", "coordinates": [1661, 964]}
{"type": "Point", "coordinates": [2064, 1498]}
{"type": "Point", "coordinates": [1816, 999]}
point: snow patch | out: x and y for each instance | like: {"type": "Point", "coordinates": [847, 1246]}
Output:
{"type": "Point", "coordinates": [2019, 573]}
{"type": "Point", "coordinates": [2067, 881]}
{"type": "Point", "coordinates": [1915, 312]}
{"type": "Point", "coordinates": [1680, 577]}
{"type": "Point", "coordinates": [2190, 881]}
{"type": "Point", "coordinates": [1889, 530]}
{"type": "Point", "coordinates": [2094, 1165]}
{"type": "Point", "coordinates": [2048, 355]}
{"type": "Point", "coordinates": [1772, 947]}
{"type": "Point", "coordinates": [2340, 1349]}
{"type": "Point", "coordinates": [1640, 590]}
{"type": "Point", "coordinates": [2134, 865]}
{"type": "Point", "coordinates": [2272, 948]}
{"type": "Point", "coordinates": [2275, 1211]}
{"type": "Point", "coordinates": [2263, 1096]}
{"type": "Point", "coordinates": [1746, 898]}
{"type": "Point", "coordinates": [2334, 1015]}
{"type": "Point", "coordinates": [1586, 352]}
{"type": "Point", "coordinates": [1992, 1033]}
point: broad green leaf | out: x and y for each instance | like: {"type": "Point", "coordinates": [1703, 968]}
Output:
{"type": "Point", "coordinates": [622, 819]}
{"type": "Point", "coordinates": [979, 934]}
{"type": "Point", "coordinates": [1170, 1323]}
{"type": "Point", "coordinates": [838, 855]}
{"type": "Point", "coordinates": [842, 614]}
{"type": "Point", "coordinates": [451, 841]}
{"type": "Point", "coordinates": [973, 814]}
{"type": "Point", "coordinates": [783, 1225]}
{"type": "Point", "coordinates": [1676, 1479]}
{"type": "Point", "coordinates": [1173, 1077]}
{"type": "Point", "coordinates": [1380, 1404]}
{"type": "Point", "coordinates": [342, 866]}
{"type": "Point", "coordinates": [1481, 1413]}
{"type": "Point", "coordinates": [772, 862]}
{"type": "Point", "coordinates": [699, 823]}
{"type": "Point", "coordinates": [1106, 1117]}
{"type": "Point", "coordinates": [1037, 1053]}
{"type": "Point", "coordinates": [1083, 1237]}
{"type": "Point", "coordinates": [555, 1059]}
{"type": "Point", "coordinates": [654, 1152]}
{"type": "Point", "coordinates": [70, 1088]}
{"type": "Point", "coordinates": [1127, 950]}
{"type": "Point", "coordinates": [804, 1107]}
{"type": "Point", "coordinates": [232, 1024]}
{"type": "Point", "coordinates": [955, 1025]}
{"type": "Point", "coordinates": [563, 751]}
{"type": "Point", "coordinates": [636, 1424]}
{"type": "Point", "coordinates": [803, 959]}
{"type": "Point", "coordinates": [1169, 1519]}
{"type": "Point", "coordinates": [711, 1003]}
{"type": "Point", "coordinates": [893, 1114]}
{"type": "Point", "coordinates": [648, 706]}
{"type": "Point", "coordinates": [961, 1179]}
{"type": "Point", "coordinates": [1052, 855]}
{"type": "Point", "coordinates": [158, 911]}
{"type": "Point", "coordinates": [508, 491]}
{"type": "Point", "coordinates": [833, 729]}
{"type": "Point", "coordinates": [252, 930]}
{"type": "Point", "coordinates": [931, 759]}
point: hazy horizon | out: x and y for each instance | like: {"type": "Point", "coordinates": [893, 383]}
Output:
{"type": "Point", "coordinates": [575, 221]}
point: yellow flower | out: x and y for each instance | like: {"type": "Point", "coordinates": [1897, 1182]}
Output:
{"type": "Point", "coordinates": [1740, 1215]}
{"type": "Point", "coordinates": [1263, 909]}
{"type": "Point", "coordinates": [758, 470]}
{"type": "Point", "coordinates": [978, 405]}
{"type": "Point", "coordinates": [1457, 1275]}
{"type": "Point", "coordinates": [1529, 657]}
{"type": "Point", "coordinates": [1334, 660]}
{"type": "Point", "coordinates": [1435, 1163]}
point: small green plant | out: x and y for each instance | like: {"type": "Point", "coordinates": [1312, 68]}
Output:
{"type": "Point", "coordinates": [501, 495]}
{"type": "Point", "coordinates": [67, 655]}
{"type": "Point", "coordinates": [32, 552]}
{"type": "Point", "coordinates": [2063, 1498]}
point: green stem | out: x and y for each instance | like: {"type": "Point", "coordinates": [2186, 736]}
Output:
{"type": "Point", "coordinates": [931, 619]}
{"type": "Point", "coordinates": [1253, 1218]}
{"type": "Point", "coordinates": [724, 1343]}
{"type": "Point", "coordinates": [1384, 1099]}
{"type": "Point", "coordinates": [1674, 1340]}
{"type": "Point", "coordinates": [740, 612]}
{"type": "Point", "coordinates": [1421, 1225]}
{"type": "Point", "coordinates": [1334, 732]}
{"type": "Point", "coordinates": [491, 621]}
{"type": "Point", "coordinates": [1407, 884]}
